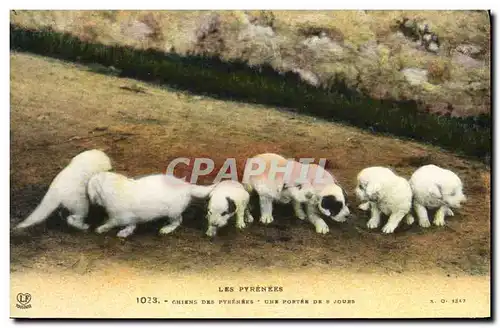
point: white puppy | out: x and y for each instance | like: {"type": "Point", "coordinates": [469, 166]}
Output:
{"type": "Point", "coordinates": [226, 199]}
{"type": "Point", "coordinates": [434, 187]}
{"type": "Point", "coordinates": [288, 181]}
{"type": "Point", "coordinates": [268, 181]}
{"type": "Point", "coordinates": [329, 199]}
{"type": "Point", "coordinates": [69, 189]}
{"type": "Point", "coordinates": [382, 191]}
{"type": "Point", "coordinates": [129, 202]}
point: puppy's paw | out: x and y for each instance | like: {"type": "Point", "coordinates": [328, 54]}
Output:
{"type": "Point", "coordinates": [424, 223]}
{"type": "Point", "coordinates": [321, 227]}
{"type": "Point", "coordinates": [123, 234]}
{"type": "Point", "coordinates": [372, 223]}
{"type": "Point", "coordinates": [266, 219]}
{"type": "Point", "coordinates": [211, 232]}
{"type": "Point", "coordinates": [101, 230]}
{"type": "Point", "coordinates": [248, 218]}
{"type": "Point", "coordinates": [166, 230]}
{"type": "Point", "coordinates": [409, 219]}
{"type": "Point", "coordinates": [389, 228]}
{"type": "Point", "coordinates": [365, 206]}
{"type": "Point", "coordinates": [301, 216]}
{"type": "Point", "coordinates": [439, 222]}
{"type": "Point", "coordinates": [78, 224]}
{"type": "Point", "coordinates": [240, 225]}
{"type": "Point", "coordinates": [449, 212]}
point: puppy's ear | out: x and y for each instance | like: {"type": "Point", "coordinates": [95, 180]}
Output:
{"type": "Point", "coordinates": [231, 207]}
{"type": "Point", "coordinates": [436, 191]}
{"type": "Point", "coordinates": [372, 191]}
{"type": "Point", "coordinates": [331, 204]}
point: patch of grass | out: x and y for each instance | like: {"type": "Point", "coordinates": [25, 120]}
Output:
{"type": "Point", "coordinates": [101, 69]}
{"type": "Point", "coordinates": [261, 17]}
{"type": "Point", "coordinates": [134, 88]}
{"type": "Point", "coordinates": [110, 15]}
{"type": "Point", "coordinates": [330, 32]}
{"type": "Point", "coordinates": [439, 71]}
{"type": "Point", "coordinates": [244, 36]}
{"type": "Point", "coordinates": [90, 32]}
{"type": "Point", "coordinates": [263, 85]}
{"type": "Point", "coordinates": [156, 30]}
{"type": "Point", "coordinates": [416, 161]}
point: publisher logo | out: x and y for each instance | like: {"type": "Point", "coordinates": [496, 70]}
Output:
{"type": "Point", "coordinates": [23, 300]}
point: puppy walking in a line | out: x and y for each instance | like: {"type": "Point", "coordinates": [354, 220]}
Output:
{"type": "Point", "coordinates": [228, 198]}
{"type": "Point", "coordinates": [329, 199]}
{"type": "Point", "coordinates": [382, 191]}
{"type": "Point", "coordinates": [286, 181]}
{"type": "Point", "coordinates": [434, 187]}
{"type": "Point", "coordinates": [69, 189]}
{"type": "Point", "coordinates": [276, 179]}
{"type": "Point", "coordinates": [129, 202]}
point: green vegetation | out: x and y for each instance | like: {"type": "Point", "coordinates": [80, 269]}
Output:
{"type": "Point", "coordinates": [235, 80]}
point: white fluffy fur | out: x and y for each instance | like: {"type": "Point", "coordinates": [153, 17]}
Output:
{"type": "Point", "coordinates": [323, 185]}
{"type": "Point", "coordinates": [435, 187]}
{"type": "Point", "coordinates": [129, 202]}
{"type": "Point", "coordinates": [219, 211]}
{"type": "Point", "coordinates": [274, 189]}
{"type": "Point", "coordinates": [382, 191]}
{"type": "Point", "coordinates": [69, 189]}
{"type": "Point", "coordinates": [298, 191]}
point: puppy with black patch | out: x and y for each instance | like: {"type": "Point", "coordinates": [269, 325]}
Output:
{"type": "Point", "coordinates": [228, 198]}
{"type": "Point", "coordinates": [329, 199]}
{"type": "Point", "coordinates": [382, 191]}
{"type": "Point", "coordinates": [435, 187]}
{"type": "Point", "coordinates": [289, 181]}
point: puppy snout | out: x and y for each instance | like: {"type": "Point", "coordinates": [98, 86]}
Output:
{"type": "Point", "coordinates": [342, 218]}
{"type": "Point", "coordinates": [359, 194]}
{"type": "Point", "coordinates": [348, 216]}
{"type": "Point", "coordinates": [211, 231]}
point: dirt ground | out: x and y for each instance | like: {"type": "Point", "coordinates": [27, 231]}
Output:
{"type": "Point", "coordinates": [60, 109]}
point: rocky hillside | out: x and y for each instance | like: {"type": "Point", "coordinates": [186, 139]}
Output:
{"type": "Point", "coordinates": [439, 59]}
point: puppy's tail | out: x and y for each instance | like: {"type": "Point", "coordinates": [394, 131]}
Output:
{"type": "Point", "coordinates": [248, 187]}
{"type": "Point", "coordinates": [48, 205]}
{"type": "Point", "coordinates": [201, 191]}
